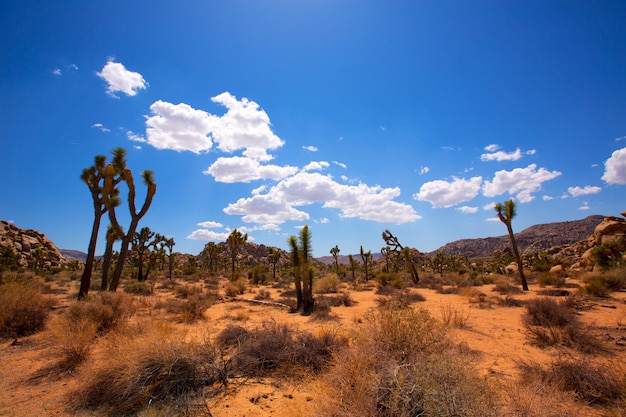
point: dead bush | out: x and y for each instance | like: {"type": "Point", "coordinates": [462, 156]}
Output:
{"type": "Point", "coordinates": [454, 316]}
{"type": "Point", "coordinates": [593, 384]}
{"type": "Point", "coordinates": [190, 309]}
{"type": "Point", "coordinates": [106, 310]}
{"type": "Point", "coordinates": [504, 287]}
{"type": "Point", "coordinates": [326, 285]}
{"type": "Point", "coordinates": [553, 323]}
{"type": "Point", "coordinates": [72, 342]}
{"type": "Point", "coordinates": [400, 363]}
{"type": "Point", "coordinates": [400, 299]}
{"type": "Point", "coordinates": [23, 309]}
{"type": "Point", "coordinates": [153, 366]}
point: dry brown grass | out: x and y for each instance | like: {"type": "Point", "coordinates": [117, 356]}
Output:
{"type": "Point", "coordinates": [23, 309]}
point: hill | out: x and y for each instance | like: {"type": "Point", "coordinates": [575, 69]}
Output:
{"type": "Point", "coordinates": [536, 238]}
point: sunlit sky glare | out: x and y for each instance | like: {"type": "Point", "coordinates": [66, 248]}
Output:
{"type": "Point", "coordinates": [349, 116]}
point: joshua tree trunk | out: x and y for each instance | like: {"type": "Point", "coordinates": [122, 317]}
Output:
{"type": "Point", "coordinates": [85, 280]}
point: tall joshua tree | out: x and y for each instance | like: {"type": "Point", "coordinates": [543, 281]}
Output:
{"type": "Point", "coordinates": [94, 178]}
{"type": "Point", "coordinates": [366, 257]}
{"type": "Point", "coordinates": [141, 244]}
{"type": "Point", "coordinates": [335, 252]}
{"type": "Point", "coordinates": [301, 253]}
{"type": "Point", "coordinates": [169, 244]}
{"type": "Point", "coordinates": [234, 242]}
{"type": "Point", "coordinates": [273, 257]}
{"type": "Point", "coordinates": [506, 212]}
{"type": "Point", "coordinates": [393, 243]}
{"type": "Point", "coordinates": [127, 175]}
{"type": "Point", "coordinates": [111, 238]}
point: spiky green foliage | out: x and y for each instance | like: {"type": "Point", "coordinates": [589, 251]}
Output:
{"type": "Point", "coordinates": [506, 213]}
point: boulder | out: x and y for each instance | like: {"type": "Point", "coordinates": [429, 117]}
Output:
{"type": "Point", "coordinates": [557, 269]}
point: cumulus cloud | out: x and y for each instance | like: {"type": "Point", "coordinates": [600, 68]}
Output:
{"type": "Point", "coordinates": [424, 170]}
{"type": "Point", "coordinates": [135, 137]}
{"type": "Point", "coordinates": [310, 148]}
{"type": "Point", "coordinates": [119, 79]}
{"type": "Point", "coordinates": [442, 193]}
{"type": "Point", "coordinates": [208, 235]}
{"type": "Point", "coordinates": [242, 169]}
{"type": "Point", "coordinates": [615, 168]}
{"type": "Point", "coordinates": [360, 201]}
{"type": "Point", "coordinates": [179, 127]}
{"type": "Point", "coordinates": [588, 189]}
{"type": "Point", "coordinates": [316, 166]}
{"type": "Point", "coordinates": [209, 224]}
{"type": "Point", "coordinates": [340, 164]}
{"type": "Point", "coordinates": [521, 182]}
{"type": "Point", "coordinates": [57, 71]}
{"type": "Point", "coordinates": [467, 209]}
{"type": "Point", "coordinates": [501, 155]}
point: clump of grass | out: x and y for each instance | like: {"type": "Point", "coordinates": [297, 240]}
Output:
{"type": "Point", "coordinates": [454, 316]}
{"type": "Point", "coordinates": [591, 383]}
{"type": "Point", "coordinates": [105, 310]}
{"type": "Point", "coordinates": [326, 285]}
{"type": "Point", "coordinates": [153, 366]}
{"type": "Point", "coordinates": [401, 363]}
{"type": "Point", "coordinates": [554, 280]}
{"type": "Point", "coordinates": [235, 288]}
{"type": "Point", "coordinates": [400, 299]}
{"type": "Point", "coordinates": [138, 288]}
{"type": "Point", "coordinates": [555, 323]}
{"type": "Point", "coordinates": [72, 342]}
{"type": "Point", "coordinates": [274, 347]}
{"type": "Point", "coordinates": [504, 287]}
{"type": "Point", "coordinates": [23, 309]}
{"type": "Point", "coordinates": [263, 295]}
{"type": "Point", "coordinates": [190, 309]}
{"type": "Point", "coordinates": [185, 291]}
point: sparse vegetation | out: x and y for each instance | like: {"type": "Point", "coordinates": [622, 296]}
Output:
{"type": "Point", "coordinates": [23, 309]}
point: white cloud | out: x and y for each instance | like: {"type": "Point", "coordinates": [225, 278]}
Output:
{"type": "Point", "coordinates": [119, 79]}
{"type": "Point", "coordinates": [489, 206]}
{"type": "Point", "coordinates": [467, 209]}
{"type": "Point", "coordinates": [324, 220]}
{"type": "Point", "coordinates": [588, 189]}
{"type": "Point", "coordinates": [316, 166]}
{"type": "Point", "coordinates": [584, 207]}
{"type": "Point", "coordinates": [501, 155]}
{"type": "Point", "coordinates": [244, 126]}
{"type": "Point", "coordinates": [521, 182]}
{"type": "Point", "coordinates": [57, 71]}
{"type": "Point", "coordinates": [361, 201]}
{"type": "Point", "coordinates": [340, 164]}
{"type": "Point", "coordinates": [209, 224]}
{"type": "Point", "coordinates": [241, 169]}
{"type": "Point", "coordinates": [424, 170]}
{"type": "Point", "coordinates": [491, 148]}
{"type": "Point", "coordinates": [135, 137]}
{"type": "Point", "coordinates": [100, 127]}
{"type": "Point", "coordinates": [310, 148]}
{"type": "Point", "coordinates": [179, 127]}
{"type": "Point", "coordinates": [208, 235]}
{"type": "Point", "coordinates": [615, 168]}
{"type": "Point", "coordinates": [547, 198]}
{"type": "Point", "coordinates": [441, 193]}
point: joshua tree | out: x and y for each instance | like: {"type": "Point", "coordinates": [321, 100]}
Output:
{"type": "Point", "coordinates": [386, 252]}
{"type": "Point", "coordinates": [111, 237]}
{"type": "Point", "coordinates": [439, 262]}
{"type": "Point", "coordinates": [141, 244]}
{"type": "Point", "coordinates": [335, 252]}
{"type": "Point", "coordinates": [366, 257]}
{"type": "Point", "coordinates": [396, 247]}
{"type": "Point", "coordinates": [109, 180]}
{"type": "Point", "coordinates": [353, 265]}
{"type": "Point", "coordinates": [211, 253]}
{"type": "Point", "coordinates": [506, 212]}
{"type": "Point", "coordinates": [234, 242]}
{"type": "Point", "coordinates": [273, 257]}
{"type": "Point", "coordinates": [169, 244]}
{"type": "Point", "coordinates": [94, 177]}
{"type": "Point", "coordinates": [301, 253]}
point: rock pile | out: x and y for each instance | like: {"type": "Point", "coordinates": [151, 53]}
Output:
{"type": "Point", "coordinates": [27, 245]}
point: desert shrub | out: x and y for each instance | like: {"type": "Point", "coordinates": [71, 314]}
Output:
{"type": "Point", "coordinates": [400, 299]}
{"type": "Point", "coordinates": [23, 309]}
{"type": "Point", "coordinates": [272, 347]}
{"type": "Point", "coordinates": [263, 295]}
{"type": "Point", "coordinates": [536, 399]}
{"type": "Point", "coordinates": [503, 287]}
{"type": "Point", "coordinates": [138, 288]}
{"type": "Point", "coordinates": [607, 255]}
{"type": "Point", "coordinates": [168, 284]}
{"type": "Point", "coordinates": [596, 287]}
{"type": "Point", "coordinates": [105, 311]}
{"type": "Point", "coordinates": [322, 310]}
{"type": "Point", "coordinates": [235, 288]}
{"type": "Point", "coordinates": [602, 285]}
{"type": "Point", "coordinates": [401, 363]}
{"type": "Point", "coordinates": [72, 341]}
{"type": "Point", "coordinates": [190, 309]}
{"type": "Point", "coordinates": [486, 279]}
{"type": "Point", "coordinates": [550, 279]}
{"type": "Point", "coordinates": [593, 384]}
{"type": "Point", "coordinates": [326, 285]}
{"type": "Point", "coordinates": [259, 274]}
{"type": "Point", "coordinates": [553, 323]}
{"type": "Point", "coordinates": [152, 366]}
{"type": "Point", "coordinates": [508, 300]}
{"type": "Point", "coordinates": [184, 291]}
{"type": "Point", "coordinates": [454, 316]}
{"type": "Point", "coordinates": [554, 292]}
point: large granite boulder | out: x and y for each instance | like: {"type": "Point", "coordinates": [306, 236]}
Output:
{"type": "Point", "coordinates": [29, 244]}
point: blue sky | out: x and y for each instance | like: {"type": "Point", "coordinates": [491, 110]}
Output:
{"type": "Point", "coordinates": [350, 116]}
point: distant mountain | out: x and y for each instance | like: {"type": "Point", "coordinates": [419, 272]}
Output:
{"type": "Point", "coordinates": [74, 255]}
{"type": "Point", "coordinates": [536, 238]}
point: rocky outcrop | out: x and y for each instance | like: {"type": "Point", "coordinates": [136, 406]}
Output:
{"type": "Point", "coordinates": [28, 245]}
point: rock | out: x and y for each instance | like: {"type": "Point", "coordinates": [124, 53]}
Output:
{"type": "Point", "coordinates": [24, 242]}
{"type": "Point", "coordinates": [512, 267]}
{"type": "Point", "coordinates": [557, 269]}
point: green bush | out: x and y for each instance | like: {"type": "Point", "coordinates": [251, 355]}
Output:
{"type": "Point", "coordinates": [138, 288]}
{"type": "Point", "coordinates": [607, 255]}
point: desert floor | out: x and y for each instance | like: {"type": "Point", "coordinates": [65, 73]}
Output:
{"type": "Point", "coordinates": [495, 332]}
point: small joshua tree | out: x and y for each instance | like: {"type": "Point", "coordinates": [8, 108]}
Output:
{"type": "Point", "coordinates": [506, 212]}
